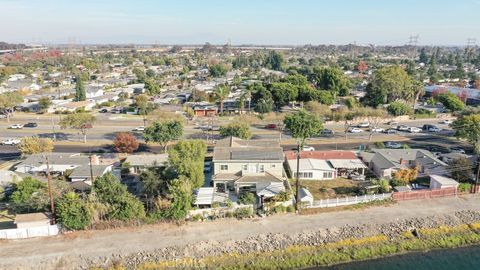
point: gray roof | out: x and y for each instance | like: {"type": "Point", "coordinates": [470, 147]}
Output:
{"type": "Point", "coordinates": [390, 158]}
{"type": "Point", "coordinates": [55, 159]}
{"type": "Point", "coordinates": [147, 159]}
{"type": "Point", "coordinates": [84, 171]}
{"type": "Point", "coordinates": [235, 149]}
{"type": "Point", "coordinates": [263, 178]}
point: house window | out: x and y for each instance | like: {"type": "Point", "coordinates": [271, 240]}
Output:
{"type": "Point", "coordinates": [308, 175]}
{"type": "Point", "coordinates": [272, 166]}
{"type": "Point", "coordinates": [327, 175]}
{"type": "Point", "coordinates": [223, 167]}
{"type": "Point", "coordinates": [244, 167]}
{"type": "Point", "coordinates": [262, 168]}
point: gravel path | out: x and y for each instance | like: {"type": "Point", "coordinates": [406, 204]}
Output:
{"type": "Point", "coordinates": [134, 245]}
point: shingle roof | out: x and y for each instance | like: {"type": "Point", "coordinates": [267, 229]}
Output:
{"type": "Point", "coordinates": [388, 158]}
{"type": "Point", "coordinates": [265, 178]}
{"type": "Point", "coordinates": [147, 159]}
{"type": "Point", "coordinates": [325, 155]}
{"type": "Point", "coordinates": [237, 149]}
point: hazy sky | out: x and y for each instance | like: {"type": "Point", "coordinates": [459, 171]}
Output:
{"type": "Point", "coordinates": [439, 22]}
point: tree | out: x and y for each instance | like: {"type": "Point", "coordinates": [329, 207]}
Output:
{"type": "Point", "coordinates": [331, 79]}
{"type": "Point", "coordinates": [181, 191]}
{"type": "Point", "coordinates": [222, 92]}
{"type": "Point", "coordinates": [264, 105]}
{"type": "Point", "coordinates": [79, 121]}
{"type": "Point", "coordinates": [35, 145]}
{"type": "Point", "coordinates": [121, 204]}
{"type": "Point", "coordinates": [451, 102]}
{"type": "Point", "coordinates": [125, 142]}
{"type": "Point", "coordinates": [283, 93]}
{"type": "Point", "coordinates": [44, 103]}
{"type": "Point", "coordinates": [218, 70]}
{"type": "Point", "coordinates": [152, 87]}
{"type": "Point", "coordinates": [142, 105]}
{"type": "Point", "coordinates": [8, 101]}
{"type": "Point", "coordinates": [423, 58]}
{"type": "Point", "coordinates": [73, 212]}
{"type": "Point", "coordinates": [29, 195]}
{"type": "Point", "coordinates": [274, 60]}
{"type": "Point", "coordinates": [237, 129]}
{"type": "Point", "coordinates": [398, 108]}
{"type": "Point", "coordinates": [375, 118]}
{"type": "Point", "coordinates": [153, 183]}
{"type": "Point", "coordinates": [302, 125]}
{"type": "Point", "coordinates": [80, 93]}
{"type": "Point", "coordinates": [388, 84]}
{"type": "Point", "coordinates": [467, 127]}
{"type": "Point", "coordinates": [405, 176]}
{"type": "Point", "coordinates": [461, 169]}
{"type": "Point", "coordinates": [163, 132]}
{"type": "Point", "coordinates": [186, 158]}
{"type": "Point", "coordinates": [362, 67]}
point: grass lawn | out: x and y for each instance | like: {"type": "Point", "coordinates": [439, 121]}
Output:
{"type": "Point", "coordinates": [328, 189]}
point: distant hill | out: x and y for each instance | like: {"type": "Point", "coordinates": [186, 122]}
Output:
{"type": "Point", "coordinates": [8, 46]}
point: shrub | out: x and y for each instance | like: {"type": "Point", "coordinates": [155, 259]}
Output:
{"type": "Point", "coordinates": [229, 204]}
{"type": "Point", "coordinates": [215, 205]}
{"type": "Point", "coordinates": [398, 108]}
{"type": "Point", "coordinates": [73, 212]}
{"type": "Point", "coordinates": [247, 198]}
{"type": "Point", "coordinates": [290, 209]}
{"type": "Point", "coordinates": [280, 209]}
{"type": "Point", "coordinates": [380, 145]}
{"type": "Point", "coordinates": [463, 187]}
{"type": "Point", "coordinates": [229, 214]}
{"type": "Point", "coordinates": [244, 212]}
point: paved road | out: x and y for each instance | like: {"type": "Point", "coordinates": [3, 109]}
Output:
{"type": "Point", "coordinates": [45, 253]}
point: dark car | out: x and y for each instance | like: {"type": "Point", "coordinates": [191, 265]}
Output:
{"type": "Point", "coordinates": [103, 111]}
{"type": "Point", "coordinates": [31, 125]}
{"type": "Point", "coordinates": [271, 126]}
{"type": "Point", "coordinates": [327, 132]}
{"type": "Point", "coordinates": [390, 131]}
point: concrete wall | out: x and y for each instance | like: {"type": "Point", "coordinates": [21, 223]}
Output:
{"type": "Point", "coordinates": [19, 233]}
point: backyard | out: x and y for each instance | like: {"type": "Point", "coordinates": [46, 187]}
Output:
{"type": "Point", "coordinates": [328, 189]}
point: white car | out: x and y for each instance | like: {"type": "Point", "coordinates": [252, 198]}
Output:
{"type": "Point", "coordinates": [457, 150]}
{"type": "Point", "coordinates": [402, 128]}
{"type": "Point", "coordinates": [414, 130]}
{"type": "Point", "coordinates": [393, 145]}
{"type": "Point", "coordinates": [308, 148]}
{"type": "Point", "coordinates": [434, 129]}
{"type": "Point", "coordinates": [364, 125]}
{"type": "Point", "coordinates": [446, 122]}
{"type": "Point", "coordinates": [11, 142]}
{"type": "Point", "coordinates": [16, 126]}
{"type": "Point", "coordinates": [355, 130]}
{"type": "Point", "coordinates": [140, 128]}
{"type": "Point", "coordinates": [377, 129]}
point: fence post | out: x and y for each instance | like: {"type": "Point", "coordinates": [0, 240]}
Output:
{"type": "Point", "coordinates": [327, 202]}
{"type": "Point", "coordinates": [321, 202]}
{"type": "Point", "coordinates": [374, 197]}
{"type": "Point", "coordinates": [337, 202]}
{"type": "Point", "coordinates": [356, 198]}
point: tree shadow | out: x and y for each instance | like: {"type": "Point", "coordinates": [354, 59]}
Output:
{"type": "Point", "coordinates": [58, 136]}
{"type": "Point", "coordinates": [113, 135]}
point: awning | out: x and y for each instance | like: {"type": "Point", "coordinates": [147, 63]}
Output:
{"type": "Point", "coordinates": [347, 164]}
{"type": "Point", "coordinates": [269, 189]}
{"type": "Point", "coordinates": [205, 196]}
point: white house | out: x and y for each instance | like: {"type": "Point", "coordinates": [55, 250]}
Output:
{"type": "Point", "coordinates": [312, 169]}
{"type": "Point", "coordinates": [441, 182]}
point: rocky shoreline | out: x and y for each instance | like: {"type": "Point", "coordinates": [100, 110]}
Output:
{"type": "Point", "coordinates": [270, 242]}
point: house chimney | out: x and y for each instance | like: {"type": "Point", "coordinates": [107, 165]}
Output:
{"type": "Point", "coordinates": [401, 161]}
{"type": "Point", "coordinates": [95, 160]}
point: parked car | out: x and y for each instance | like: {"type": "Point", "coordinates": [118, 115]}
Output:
{"type": "Point", "coordinates": [11, 142]}
{"type": "Point", "coordinates": [308, 148]}
{"type": "Point", "coordinates": [392, 123]}
{"type": "Point", "coordinates": [104, 110]}
{"type": "Point", "coordinates": [271, 126]}
{"type": "Point", "coordinates": [140, 128]}
{"type": "Point", "coordinates": [434, 129]}
{"type": "Point", "coordinates": [16, 126]}
{"type": "Point", "coordinates": [446, 122]}
{"type": "Point", "coordinates": [31, 125]}
{"type": "Point", "coordinates": [355, 130]}
{"type": "Point", "coordinates": [426, 127]}
{"type": "Point", "coordinates": [457, 150]}
{"type": "Point", "coordinates": [402, 128]}
{"type": "Point", "coordinates": [391, 131]}
{"type": "Point", "coordinates": [393, 145]}
{"type": "Point", "coordinates": [326, 132]}
{"type": "Point", "coordinates": [414, 130]}
{"type": "Point", "coordinates": [364, 125]}
{"type": "Point", "coordinates": [377, 129]}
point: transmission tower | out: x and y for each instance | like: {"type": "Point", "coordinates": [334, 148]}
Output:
{"type": "Point", "coordinates": [412, 42]}
{"type": "Point", "coordinates": [471, 42]}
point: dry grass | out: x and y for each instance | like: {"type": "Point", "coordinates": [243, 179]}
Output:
{"type": "Point", "coordinates": [330, 189]}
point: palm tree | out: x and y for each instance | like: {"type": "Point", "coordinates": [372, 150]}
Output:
{"type": "Point", "coordinates": [222, 93]}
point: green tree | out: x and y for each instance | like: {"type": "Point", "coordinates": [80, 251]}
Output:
{"type": "Point", "coordinates": [181, 191]}
{"type": "Point", "coordinates": [73, 212]}
{"type": "Point", "coordinates": [468, 127]}
{"type": "Point", "coordinates": [121, 204]}
{"type": "Point", "coordinates": [461, 169]}
{"type": "Point", "coordinates": [283, 93]}
{"type": "Point", "coordinates": [164, 132]}
{"type": "Point", "coordinates": [331, 79]}
{"type": "Point", "coordinates": [221, 93]}
{"type": "Point", "coordinates": [44, 103]}
{"type": "Point", "coordinates": [264, 105]}
{"type": "Point", "coordinates": [153, 182]}
{"type": "Point", "coordinates": [79, 121]}
{"type": "Point", "coordinates": [8, 101]}
{"type": "Point", "coordinates": [274, 60]}
{"type": "Point", "coordinates": [218, 70]}
{"type": "Point", "coordinates": [29, 195]}
{"type": "Point", "coordinates": [303, 125]}
{"type": "Point", "coordinates": [80, 93]}
{"type": "Point", "coordinates": [388, 84]}
{"type": "Point", "coordinates": [143, 106]}
{"type": "Point", "coordinates": [236, 129]}
{"type": "Point", "coordinates": [452, 102]}
{"type": "Point", "coordinates": [423, 58]}
{"type": "Point", "coordinates": [398, 108]}
{"type": "Point", "coordinates": [152, 87]}
{"type": "Point", "coordinates": [187, 158]}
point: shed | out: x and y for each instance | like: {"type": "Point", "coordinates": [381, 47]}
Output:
{"type": "Point", "coordinates": [305, 196]}
{"type": "Point", "coordinates": [440, 182]}
{"type": "Point", "coordinates": [32, 220]}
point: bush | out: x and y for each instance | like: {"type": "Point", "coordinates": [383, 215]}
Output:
{"type": "Point", "coordinates": [464, 187]}
{"type": "Point", "coordinates": [280, 209]}
{"type": "Point", "coordinates": [73, 212]}
{"type": "Point", "coordinates": [398, 108]}
{"type": "Point", "coordinates": [247, 198]}
{"type": "Point", "coordinates": [215, 205]}
{"type": "Point", "coordinates": [290, 209]}
{"type": "Point", "coordinates": [244, 212]}
{"type": "Point", "coordinates": [380, 145]}
{"type": "Point", "coordinates": [229, 204]}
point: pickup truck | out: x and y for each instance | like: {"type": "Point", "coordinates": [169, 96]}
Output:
{"type": "Point", "coordinates": [11, 142]}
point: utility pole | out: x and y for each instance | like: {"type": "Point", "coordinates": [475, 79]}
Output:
{"type": "Point", "coordinates": [53, 130]}
{"type": "Point", "coordinates": [477, 176]}
{"type": "Point", "coordinates": [50, 192]}
{"type": "Point", "coordinates": [91, 168]}
{"type": "Point", "coordinates": [297, 182]}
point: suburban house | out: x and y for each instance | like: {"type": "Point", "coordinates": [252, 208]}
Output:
{"type": "Point", "coordinates": [385, 162]}
{"type": "Point", "coordinates": [84, 173]}
{"type": "Point", "coordinates": [59, 163]}
{"type": "Point", "coordinates": [139, 163]}
{"type": "Point", "coordinates": [88, 105]}
{"type": "Point", "coordinates": [242, 166]}
{"type": "Point", "coordinates": [205, 110]}
{"type": "Point", "coordinates": [324, 165]}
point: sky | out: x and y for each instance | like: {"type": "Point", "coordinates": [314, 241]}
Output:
{"type": "Point", "coordinates": [263, 22]}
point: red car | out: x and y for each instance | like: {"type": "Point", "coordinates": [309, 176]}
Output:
{"type": "Point", "coordinates": [271, 126]}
